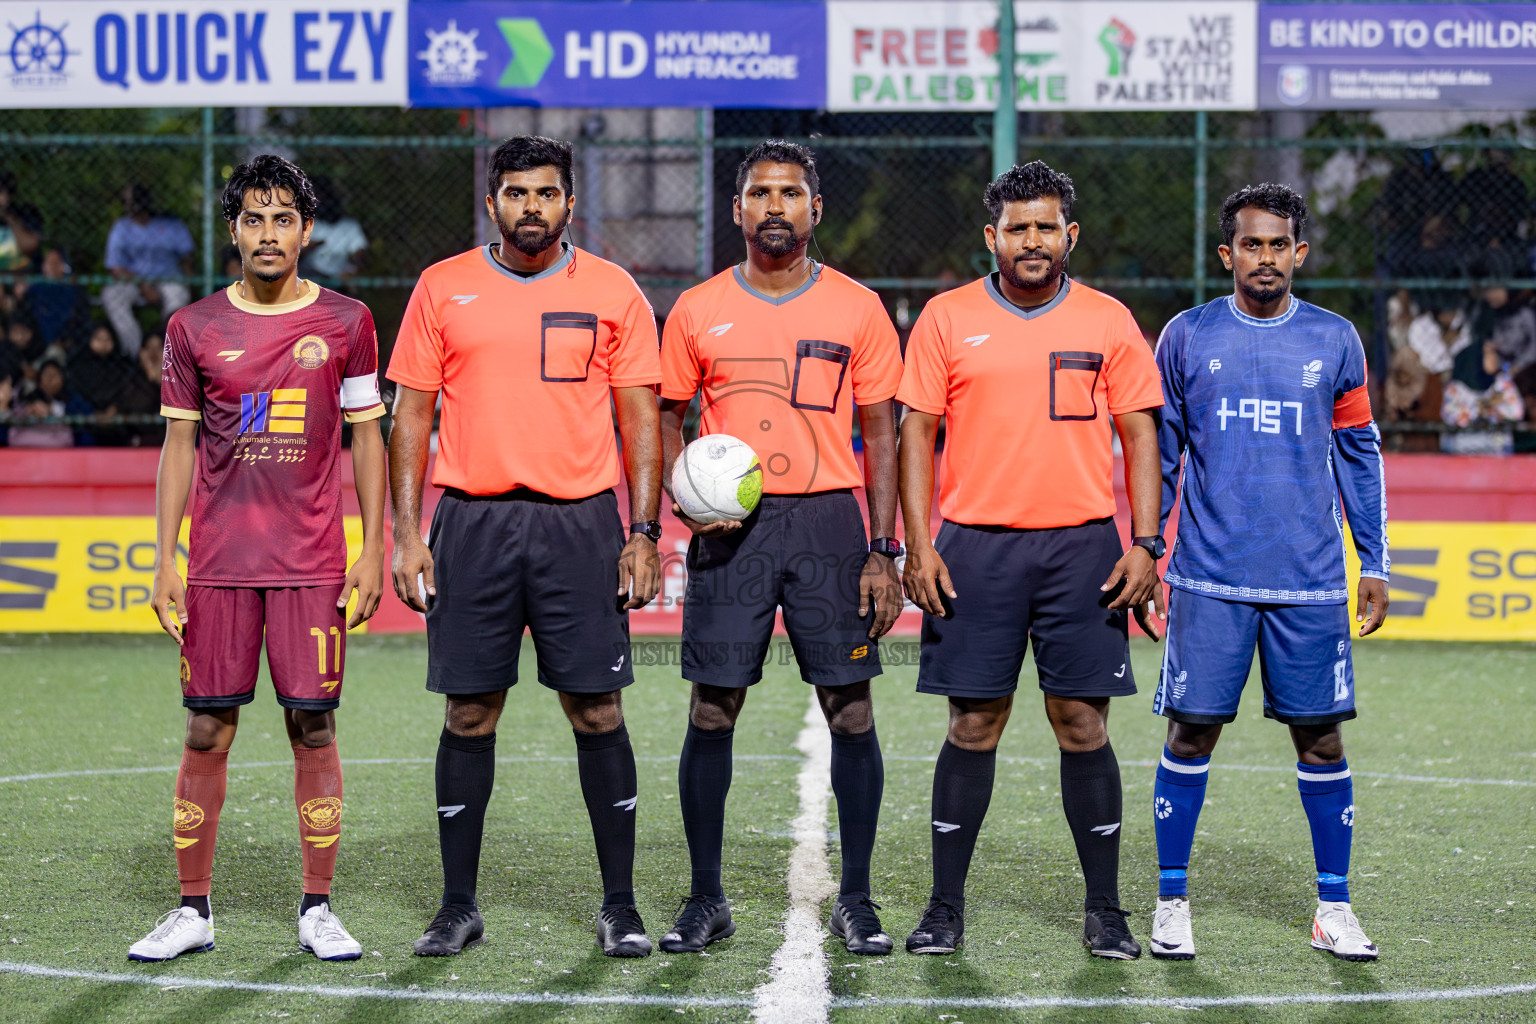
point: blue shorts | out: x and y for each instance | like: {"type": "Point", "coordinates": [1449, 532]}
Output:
{"type": "Point", "coordinates": [1304, 660]}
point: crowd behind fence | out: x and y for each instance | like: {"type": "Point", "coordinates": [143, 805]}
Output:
{"type": "Point", "coordinates": [1423, 231]}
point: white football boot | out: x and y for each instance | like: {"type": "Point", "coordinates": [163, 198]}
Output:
{"type": "Point", "coordinates": [321, 933]}
{"type": "Point", "coordinates": [1172, 937]}
{"type": "Point", "coordinates": [182, 930]}
{"type": "Point", "coordinates": [1335, 928]}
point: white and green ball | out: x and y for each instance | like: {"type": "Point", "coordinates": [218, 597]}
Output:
{"type": "Point", "coordinates": [717, 478]}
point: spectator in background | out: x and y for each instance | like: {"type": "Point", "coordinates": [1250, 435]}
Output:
{"type": "Point", "coordinates": [1416, 189]}
{"type": "Point", "coordinates": [337, 246]}
{"type": "Point", "coordinates": [233, 270]}
{"type": "Point", "coordinates": [24, 348]}
{"type": "Point", "coordinates": [99, 371]}
{"type": "Point", "coordinates": [1437, 254]}
{"type": "Point", "coordinates": [140, 396]}
{"type": "Point", "coordinates": [1495, 199]}
{"type": "Point", "coordinates": [1480, 391]}
{"type": "Point", "coordinates": [49, 396]}
{"type": "Point", "coordinates": [1511, 328]}
{"type": "Point", "coordinates": [1439, 332]}
{"type": "Point", "coordinates": [143, 250]}
{"type": "Point", "coordinates": [7, 401]}
{"type": "Point", "coordinates": [21, 229]}
{"type": "Point", "coordinates": [59, 308]}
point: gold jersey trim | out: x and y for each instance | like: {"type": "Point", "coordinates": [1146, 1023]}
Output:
{"type": "Point", "coordinates": [308, 298]}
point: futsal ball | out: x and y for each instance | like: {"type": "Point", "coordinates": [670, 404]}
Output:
{"type": "Point", "coordinates": [717, 478]}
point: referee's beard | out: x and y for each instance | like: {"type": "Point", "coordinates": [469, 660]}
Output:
{"type": "Point", "coordinates": [527, 241]}
{"type": "Point", "coordinates": [1052, 275]}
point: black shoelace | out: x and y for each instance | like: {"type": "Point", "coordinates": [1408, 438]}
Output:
{"type": "Point", "coordinates": [861, 914]}
{"type": "Point", "coordinates": [695, 906]}
{"type": "Point", "coordinates": [1113, 923]}
{"type": "Point", "coordinates": [939, 915]}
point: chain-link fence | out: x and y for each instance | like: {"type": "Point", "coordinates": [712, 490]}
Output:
{"type": "Point", "coordinates": [1422, 230]}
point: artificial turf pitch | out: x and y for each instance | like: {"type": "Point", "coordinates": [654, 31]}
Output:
{"type": "Point", "coordinates": [1442, 876]}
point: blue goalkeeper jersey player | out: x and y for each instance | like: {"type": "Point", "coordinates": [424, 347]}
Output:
{"type": "Point", "coordinates": [1268, 418]}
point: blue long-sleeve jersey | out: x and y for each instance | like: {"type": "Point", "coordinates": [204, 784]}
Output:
{"type": "Point", "coordinates": [1270, 422]}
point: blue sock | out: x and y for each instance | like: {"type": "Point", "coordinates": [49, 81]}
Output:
{"type": "Point", "coordinates": [1328, 797]}
{"type": "Point", "coordinates": [1177, 797]}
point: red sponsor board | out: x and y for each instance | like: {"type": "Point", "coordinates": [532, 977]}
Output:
{"type": "Point", "coordinates": [117, 481]}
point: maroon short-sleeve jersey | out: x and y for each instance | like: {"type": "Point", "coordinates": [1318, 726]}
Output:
{"type": "Point", "coordinates": [270, 385]}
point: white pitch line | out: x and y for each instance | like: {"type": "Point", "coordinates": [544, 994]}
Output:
{"type": "Point", "coordinates": [799, 990]}
{"type": "Point", "coordinates": [346, 761]}
{"type": "Point", "coordinates": [1412, 995]}
{"type": "Point", "coordinates": [445, 995]}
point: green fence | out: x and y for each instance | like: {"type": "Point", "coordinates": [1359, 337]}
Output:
{"type": "Point", "coordinates": [1413, 216]}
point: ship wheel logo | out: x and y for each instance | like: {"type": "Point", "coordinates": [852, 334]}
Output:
{"type": "Point", "coordinates": [38, 52]}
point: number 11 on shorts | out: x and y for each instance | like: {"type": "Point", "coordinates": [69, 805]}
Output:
{"type": "Point", "coordinates": [320, 635]}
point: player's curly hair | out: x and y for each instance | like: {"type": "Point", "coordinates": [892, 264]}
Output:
{"type": "Point", "coordinates": [1034, 180]}
{"type": "Point", "coordinates": [1280, 200]}
{"type": "Point", "coordinates": [268, 175]}
{"type": "Point", "coordinates": [526, 152]}
{"type": "Point", "coordinates": [777, 151]}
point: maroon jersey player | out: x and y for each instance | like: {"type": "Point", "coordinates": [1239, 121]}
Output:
{"type": "Point", "coordinates": [258, 378]}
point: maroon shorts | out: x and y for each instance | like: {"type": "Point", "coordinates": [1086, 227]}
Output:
{"type": "Point", "coordinates": [306, 637]}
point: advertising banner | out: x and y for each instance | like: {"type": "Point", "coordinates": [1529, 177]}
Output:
{"type": "Point", "coordinates": [666, 53]}
{"type": "Point", "coordinates": [1414, 56]}
{"type": "Point", "coordinates": [1460, 581]}
{"type": "Point", "coordinates": [91, 574]}
{"type": "Point", "coordinates": [195, 53]}
{"type": "Point", "coordinates": [1093, 55]}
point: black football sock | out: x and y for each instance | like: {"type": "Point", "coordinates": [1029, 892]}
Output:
{"type": "Point", "coordinates": [858, 780]}
{"type": "Point", "coordinates": [313, 900]}
{"type": "Point", "coordinates": [200, 904]}
{"type": "Point", "coordinates": [1090, 794]}
{"type": "Point", "coordinates": [605, 761]}
{"type": "Point", "coordinates": [962, 791]}
{"type": "Point", "coordinates": [466, 772]}
{"type": "Point", "coordinates": [703, 780]}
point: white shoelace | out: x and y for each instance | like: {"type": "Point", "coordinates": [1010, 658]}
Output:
{"type": "Point", "coordinates": [1170, 921]}
{"type": "Point", "coordinates": [167, 924]}
{"type": "Point", "coordinates": [329, 928]}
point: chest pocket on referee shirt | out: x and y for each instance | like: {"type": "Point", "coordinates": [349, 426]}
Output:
{"type": "Point", "coordinates": [819, 370]}
{"type": "Point", "coordinates": [567, 342]}
{"type": "Point", "coordinates": [1074, 385]}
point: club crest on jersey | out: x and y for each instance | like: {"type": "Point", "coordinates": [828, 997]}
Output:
{"type": "Point", "coordinates": [1311, 373]}
{"type": "Point", "coordinates": [188, 815]}
{"type": "Point", "coordinates": [322, 813]}
{"type": "Point", "coordinates": [311, 352]}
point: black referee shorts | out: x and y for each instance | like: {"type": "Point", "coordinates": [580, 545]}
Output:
{"type": "Point", "coordinates": [520, 559]}
{"type": "Point", "coordinates": [1018, 585]}
{"type": "Point", "coordinates": [801, 552]}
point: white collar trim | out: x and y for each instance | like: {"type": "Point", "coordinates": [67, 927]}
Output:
{"type": "Point", "coordinates": [1274, 321]}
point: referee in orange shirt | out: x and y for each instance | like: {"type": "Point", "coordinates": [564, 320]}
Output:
{"type": "Point", "coordinates": [526, 340]}
{"type": "Point", "coordinates": [1026, 365]}
{"type": "Point", "coordinates": [781, 350]}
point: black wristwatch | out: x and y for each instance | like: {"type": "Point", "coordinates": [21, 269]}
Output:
{"type": "Point", "coordinates": [651, 529]}
{"type": "Point", "coordinates": [1156, 546]}
{"type": "Point", "coordinates": [887, 546]}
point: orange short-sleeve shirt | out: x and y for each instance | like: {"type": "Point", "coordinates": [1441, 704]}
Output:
{"type": "Point", "coordinates": [784, 374]}
{"type": "Point", "coordinates": [1027, 396]}
{"type": "Point", "coordinates": [525, 367]}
